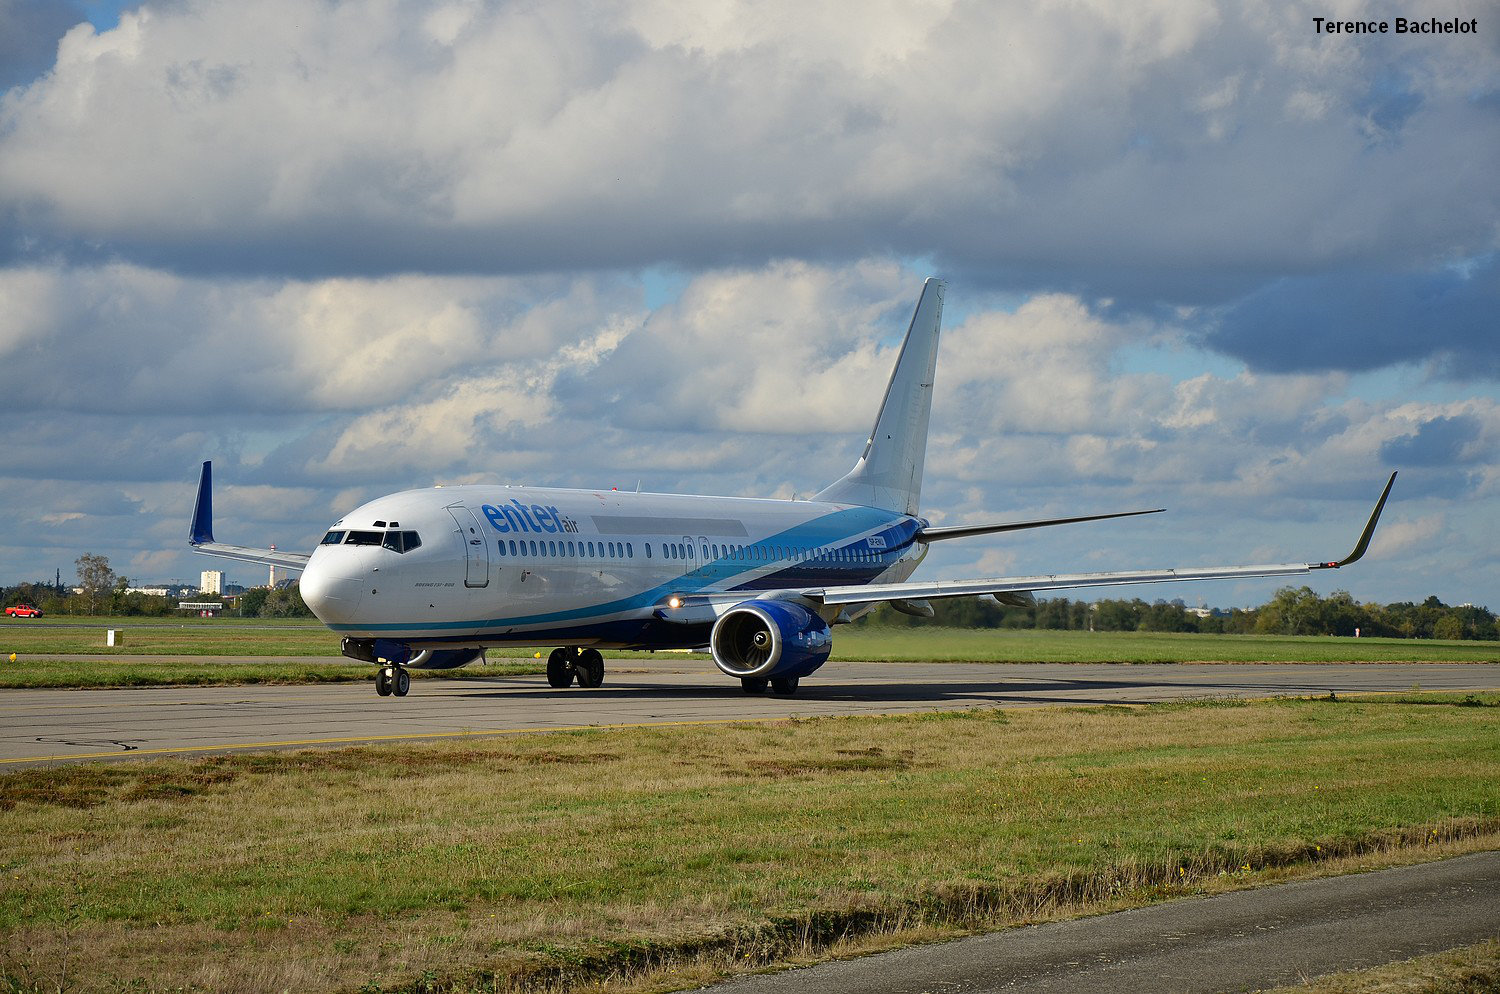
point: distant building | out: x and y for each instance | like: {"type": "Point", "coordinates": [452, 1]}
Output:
{"type": "Point", "coordinates": [212, 581]}
{"type": "Point", "coordinates": [150, 591]}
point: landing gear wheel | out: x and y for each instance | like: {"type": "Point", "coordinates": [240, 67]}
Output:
{"type": "Point", "coordinates": [383, 682]}
{"type": "Point", "coordinates": [785, 685]}
{"type": "Point", "coordinates": [562, 666]}
{"type": "Point", "coordinates": [754, 685]}
{"type": "Point", "coordinates": [590, 668]}
{"type": "Point", "coordinates": [402, 683]}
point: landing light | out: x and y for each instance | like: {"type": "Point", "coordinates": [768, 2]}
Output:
{"type": "Point", "coordinates": [674, 601]}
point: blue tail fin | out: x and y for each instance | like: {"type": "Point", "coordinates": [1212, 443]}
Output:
{"type": "Point", "coordinates": [889, 473]}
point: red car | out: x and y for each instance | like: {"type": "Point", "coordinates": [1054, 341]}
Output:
{"type": "Point", "coordinates": [24, 611]}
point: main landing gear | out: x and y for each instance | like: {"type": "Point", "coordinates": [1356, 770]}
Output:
{"type": "Point", "coordinates": [783, 685]}
{"type": "Point", "coordinates": [569, 663]}
{"type": "Point", "coordinates": [392, 680]}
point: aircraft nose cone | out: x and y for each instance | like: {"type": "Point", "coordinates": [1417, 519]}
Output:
{"type": "Point", "coordinates": [332, 586]}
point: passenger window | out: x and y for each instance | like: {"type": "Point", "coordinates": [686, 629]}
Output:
{"type": "Point", "coordinates": [533, 548]}
{"type": "Point", "coordinates": [648, 550]}
{"type": "Point", "coordinates": [502, 547]}
{"type": "Point", "coordinates": [333, 538]}
{"type": "Point", "coordinates": [629, 550]}
{"type": "Point", "coordinates": [513, 547]}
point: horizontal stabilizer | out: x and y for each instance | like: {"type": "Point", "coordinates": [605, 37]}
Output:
{"type": "Point", "coordinates": [968, 531]}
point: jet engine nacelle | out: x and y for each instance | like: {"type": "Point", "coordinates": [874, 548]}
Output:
{"type": "Point", "coordinates": [444, 659]}
{"type": "Point", "coordinates": [764, 639]}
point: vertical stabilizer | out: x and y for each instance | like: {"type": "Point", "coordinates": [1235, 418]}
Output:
{"type": "Point", "coordinates": [889, 474]}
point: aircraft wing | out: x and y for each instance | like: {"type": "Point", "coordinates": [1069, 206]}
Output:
{"type": "Point", "coordinates": [872, 593]}
{"type": "Point", "coordinates": [201, 535]}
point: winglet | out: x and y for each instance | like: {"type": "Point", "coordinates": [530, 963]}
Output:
{"type": "Point", "coordinates": [1364, 539]}
{"type": "Point", "coordinates": [203, 509]}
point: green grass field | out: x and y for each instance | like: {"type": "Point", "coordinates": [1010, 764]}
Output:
{"type": "Point", "coordinates": [168, 637]}
{"type": "Point", "coordinates": [1025, 646]}
{"type": "Point", "coordinates": [657, 859]}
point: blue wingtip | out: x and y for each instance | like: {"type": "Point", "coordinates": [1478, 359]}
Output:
{"type": "Point", "coordinates": [203, 509]}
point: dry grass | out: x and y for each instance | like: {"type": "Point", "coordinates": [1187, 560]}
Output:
{"type": "Point", "coordinates": [1469, 970]}
{"type": "Point", "coordinates": [657, 858]}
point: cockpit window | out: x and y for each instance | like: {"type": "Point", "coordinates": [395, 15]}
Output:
{"type": "Point", "coordinates": [365, 538]}
{"type": "Point", "coordinates": [402, 541]}
{"type": "Point", "coordinates": [332, 538]}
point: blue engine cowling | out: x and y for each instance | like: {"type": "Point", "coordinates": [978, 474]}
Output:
{"type": "Point", "coordinates": [763, 639]}
{"type": "Point", "coordinates": [444, 659]}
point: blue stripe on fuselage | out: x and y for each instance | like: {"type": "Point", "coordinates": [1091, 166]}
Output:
{"type": "Point", "coordinates": [833, 529]}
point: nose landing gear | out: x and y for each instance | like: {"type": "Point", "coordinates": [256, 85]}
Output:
{"type": "Point", "coordinates": [569, 663]}
{"type": "Point", "coordinates": [392, 680]}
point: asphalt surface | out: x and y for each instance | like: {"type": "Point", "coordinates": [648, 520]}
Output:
{"type": "Point", "coordinates": [40, 726]}
{"type": "Point", "coordinates": [1245, 941]}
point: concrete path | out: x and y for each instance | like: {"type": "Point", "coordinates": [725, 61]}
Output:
{"type": "Point", "coordinates": [1245, 941]}
{"type": "Point", "coordinates": [63, 725]}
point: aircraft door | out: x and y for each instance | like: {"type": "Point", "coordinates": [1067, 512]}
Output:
{"type": "Point", "coordinates": [476, 549]}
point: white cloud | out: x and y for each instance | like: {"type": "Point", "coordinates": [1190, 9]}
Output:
{"type": "Point", "coordinates": [124, 338]}
{"type": "Point", "coordinates": [1406, 535]}
{"type": "Point", "coordinates": [358, 138]}
{"type": "Point", "coordinates": [348, 248]}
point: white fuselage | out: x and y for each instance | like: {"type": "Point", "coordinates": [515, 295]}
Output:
{"type": "Point", "coordinates": [497, 566]}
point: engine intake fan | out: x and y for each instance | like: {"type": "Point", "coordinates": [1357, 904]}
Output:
{"type": "Point", "coordinates": [764, 639]}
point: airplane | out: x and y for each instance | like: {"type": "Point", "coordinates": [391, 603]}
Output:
{"type": "Point", "coordinates": [433, 578]}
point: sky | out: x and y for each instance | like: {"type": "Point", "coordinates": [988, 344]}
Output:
{"type": "Point", "coordinates": [1200, 256]}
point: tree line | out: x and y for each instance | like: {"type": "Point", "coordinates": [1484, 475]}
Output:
{"type": "Point", "coordinates": [1292, 611]}
{"type": "Point", "coordinates": [102, 591]}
